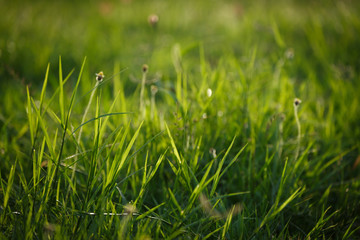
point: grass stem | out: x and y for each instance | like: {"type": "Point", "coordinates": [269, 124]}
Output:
{"type": "Point", "coordinates": [296, 107]}
{"type": "Point", "coordinates": [142, 100]}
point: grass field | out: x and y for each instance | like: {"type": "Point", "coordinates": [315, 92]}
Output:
{"type": "Point", "coordinates": [221, 120]}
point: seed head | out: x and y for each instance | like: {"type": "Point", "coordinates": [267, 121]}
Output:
{"type": "Point", "coordinates": [153, 19]}
{"type": "Point", "coordinates": [154, 89]}
{"type": "Point", "coordinates": [100, 76]}
{"type": "Point", "coordinates": [129, 209]}
{"type": "Point", "coordinates": [282, 116]}
{"type": "Point", "coordinates": [212, 151]}
{"type": "Point", "coordinates": [297, 102]}
{"type": "Point", "coordinates": [289, 54]}
{"type": "Point", "coordinates": [145, 68]}
{"type": "Point", "coordinates": [209, 92]}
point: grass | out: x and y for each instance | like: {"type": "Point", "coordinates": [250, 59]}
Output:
{"type": "Point", "coordinates": [204, 143]}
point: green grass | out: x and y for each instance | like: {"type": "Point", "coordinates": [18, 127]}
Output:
{"type": "Point", "coordinates": [205, 144]}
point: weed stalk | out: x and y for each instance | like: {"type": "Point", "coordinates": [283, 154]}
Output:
{"type": "Point", "coordinates": [145, 69]}
{"type": "Point", "coordinates": [296, 107]}
{"type": "Point", "coordinates": [154, 90]}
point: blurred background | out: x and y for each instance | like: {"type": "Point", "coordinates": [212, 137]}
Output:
{"type": "Point", "coordinates": [35, 33]}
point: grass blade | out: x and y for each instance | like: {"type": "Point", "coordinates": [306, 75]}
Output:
{"type": "Point", "coordinates": [61, 94]}
{"type": "Point", "coordinates": [9, 186]}
{"type": "Point", "coordinates": [218, 171]}
{"type": "Point", "coordinates": [149, 212]}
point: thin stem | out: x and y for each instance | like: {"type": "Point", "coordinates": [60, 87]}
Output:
{"type": "Point", "coordinates": [299, 131]}
{"type": "Point", "coordinates": [152, 105]}
{"type": "Point", "coordinates": [142, 104]}
{"type": "Point", "coordinates": [154, 90]}
{"type": "Point", "coordinates": [281, 131]}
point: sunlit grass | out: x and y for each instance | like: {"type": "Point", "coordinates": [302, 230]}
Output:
{"type": "Point", "coordinates": [193, 132]}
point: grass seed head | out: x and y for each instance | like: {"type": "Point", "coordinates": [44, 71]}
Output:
{"type": "Point", "coordinates": [212, 152]}
{"type": "Point", "coordinates": [153, 19]}
{"type": "Point", "coordinates": [297, 102]}
{"type": "Point", "coordinates": [289, 54]}
{"type": "Point", "coordinates": [100, 76]}
{"type": "Point", "coordinates": [129, 209]}
{"type": "Point", "coordinates": [145, 68]}
{"type": "Point", "coordinates": [282, 116]}
{"type": "Point", "coordinates": [154, 89]}
{"type": "Point", "coordinates": [209, 92]}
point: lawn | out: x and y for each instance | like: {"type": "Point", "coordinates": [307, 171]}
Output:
{"type": "Point", "coordinates": [179, 119]}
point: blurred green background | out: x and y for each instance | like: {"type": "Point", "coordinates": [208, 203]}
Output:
{"type": "Point", "coordinates": [320, 39]}
{"type": "Point", "coordinates": [34, 33]}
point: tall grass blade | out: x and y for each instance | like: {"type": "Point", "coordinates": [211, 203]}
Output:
{"type": "Point", "coordinates": [9, 186]}
{"type": "Point", "coordinates": [61, 94]}
{"type": "Point", "coordinates": [227, 222]}
{"type": "Point", "coordinates": [275, 210]}
{"type": "Point", "coordinates": [119, 162]}
{"type": "Point", "coordinates": [30, 117]}
{"type": "Point", "coordinates": [218, 171]}
{"type": "Point", "coordinates": [348, 234]}
{"type": "Point", "coordinates": [149, 212]}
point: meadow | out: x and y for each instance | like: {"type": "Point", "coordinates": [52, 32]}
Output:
{"type": "Point", "coordinates": [179, 119]}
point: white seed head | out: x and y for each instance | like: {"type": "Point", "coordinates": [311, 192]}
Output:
{"type": "Point", "coordinates": [209, 92]}
{"type": "Point", "coordinates": [212, 151]}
